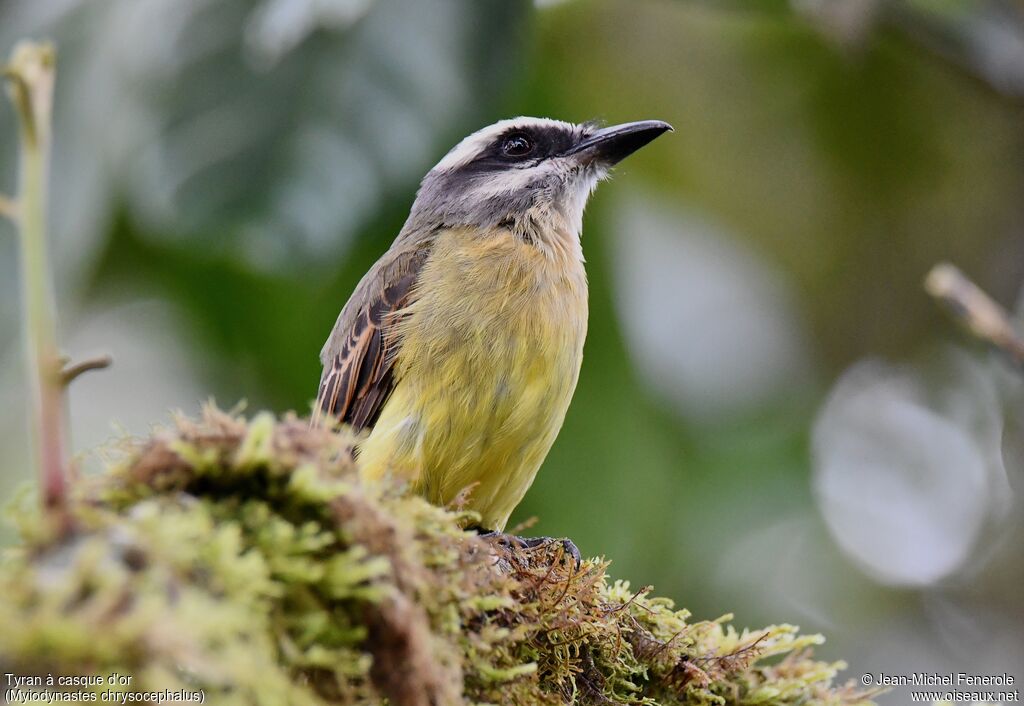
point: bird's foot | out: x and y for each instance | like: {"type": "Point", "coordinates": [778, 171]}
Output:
{"type": "Point", "coordinates": [513, 542]}
{"type": "Point", "coordinates": [568, 546]}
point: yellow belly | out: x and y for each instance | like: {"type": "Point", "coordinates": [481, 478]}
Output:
{"type": "Point", "coordinates": [489, 355]}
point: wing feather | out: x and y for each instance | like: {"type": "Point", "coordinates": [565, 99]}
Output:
{"type": "Point", "coordinates": [360, 354]}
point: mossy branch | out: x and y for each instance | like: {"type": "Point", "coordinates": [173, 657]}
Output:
{"type": "Point", "coordinates": [246, 559]}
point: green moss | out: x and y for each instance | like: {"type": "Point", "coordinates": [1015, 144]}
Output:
{"type": "Point", "coordinates": [246, 559]}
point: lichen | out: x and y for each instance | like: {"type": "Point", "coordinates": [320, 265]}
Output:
{"type": "Point", "coordinates": [247, 559]}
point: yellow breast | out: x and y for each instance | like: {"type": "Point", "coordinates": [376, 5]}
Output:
{"type": "Point", "coordinates": [488, 358]}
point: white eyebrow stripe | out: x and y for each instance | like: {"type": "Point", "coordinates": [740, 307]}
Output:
{"type": "Point", "coordinates": [469, 148]}
{"type": "Point", "coordinates": [506, 182]}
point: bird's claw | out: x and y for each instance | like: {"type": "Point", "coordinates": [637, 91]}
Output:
{"type": "Point", "coordinates": [568, 545]}
{"type": "Point", "coordinates": [512, 541]}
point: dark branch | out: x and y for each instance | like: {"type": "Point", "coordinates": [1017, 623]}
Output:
{"type": "Point", "coordinates": [70, 372]}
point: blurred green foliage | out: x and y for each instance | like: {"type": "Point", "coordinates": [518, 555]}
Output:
{"type": "Point", "coordinates": [853, 172]}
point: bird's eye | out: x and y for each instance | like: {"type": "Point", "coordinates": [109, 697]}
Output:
{"type": "Point", "coordinates": [517, 145]}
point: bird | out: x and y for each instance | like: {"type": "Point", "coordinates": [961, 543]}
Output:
{"type": "Point", "coordinates": [459, 350]}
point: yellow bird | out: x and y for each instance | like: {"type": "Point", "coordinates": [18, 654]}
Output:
{"type": "Point", "coordinates": [460, 349]}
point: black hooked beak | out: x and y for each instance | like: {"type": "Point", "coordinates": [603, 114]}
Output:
{"type": "Point", "coordinates": [611, 145]}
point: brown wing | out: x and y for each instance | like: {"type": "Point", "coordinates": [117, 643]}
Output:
{"type": "Point", "coordinates": [359, 356]}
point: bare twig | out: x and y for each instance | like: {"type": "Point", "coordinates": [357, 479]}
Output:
{"type": "Point", "coordinates": [30, 77]}
{"type": "Point", "coordinates": [523, 526]}
{"type": "Point", "coordinates": [72, 371]}
{"type": "Point", "coordinates": [8, 208]}
{"type": "Point", "coordinates": [982, 316]}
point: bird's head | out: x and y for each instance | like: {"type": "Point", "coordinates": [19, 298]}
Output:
{"type": "Point", "coordinates": [531, 175]}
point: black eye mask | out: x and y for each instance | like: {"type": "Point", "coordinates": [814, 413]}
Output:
{"type": "Point", "coordinates": [544, 142]}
